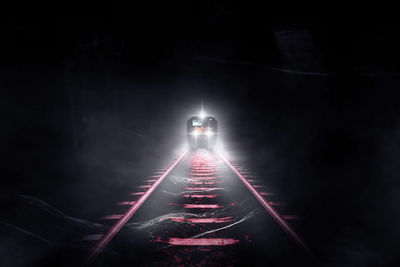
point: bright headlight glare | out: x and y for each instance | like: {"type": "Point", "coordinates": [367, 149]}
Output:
{"type": "Point", "coordinates": [195, 133]}
{"type": "Point", "coordinates": [209, 133]}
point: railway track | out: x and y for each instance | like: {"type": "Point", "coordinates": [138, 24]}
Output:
{"type": "Point", "coordinates": [202, 209]}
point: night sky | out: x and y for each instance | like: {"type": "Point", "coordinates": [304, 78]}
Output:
{"type": "Point", "coordinates": [94, 96]}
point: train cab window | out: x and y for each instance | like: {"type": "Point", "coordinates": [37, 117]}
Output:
{"type": "Point", "coordinates": [196, 122]}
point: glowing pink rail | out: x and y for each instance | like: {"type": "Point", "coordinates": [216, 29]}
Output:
{"type": "Point", "coordinates": [275, 215]}
{"type": "Point", "coordinates": [96, 249]}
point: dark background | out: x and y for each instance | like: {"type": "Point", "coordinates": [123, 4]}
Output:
{"type": "Point", "coordinates": [95, 96]}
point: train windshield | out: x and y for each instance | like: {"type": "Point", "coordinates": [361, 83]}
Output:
{"type": "Point", "coordinates": [196, 122]}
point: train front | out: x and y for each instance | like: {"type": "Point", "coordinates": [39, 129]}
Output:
{"type": "Point", "coordinates": [202, 132]}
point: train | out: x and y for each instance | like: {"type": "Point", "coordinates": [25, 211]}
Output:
{"type": "Point", "coordinates": [202, 132]}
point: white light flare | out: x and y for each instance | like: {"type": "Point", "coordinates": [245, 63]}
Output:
{"type": "Point", "coordinates": [183, 148]}
{"type": "Point", "coordinates": [202, 114]}
{"type": "Point", "coordinates": [209, 133]}
{"type": "Point", "coordinates": [219, 147]}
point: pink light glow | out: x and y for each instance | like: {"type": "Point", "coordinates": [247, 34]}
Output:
{"type": "Point", "coordinates": [199, 188]}
{"type": "Point", "coordinates": [206, 178]}
{"type": "Point", "coordinates": [113, 217]}
{"type": "Point", "coordinates": [202, 206]}
{"type": "Point", "coordinates": [200, 196]}
{"type": "Point", "coordinates": [202, 174]}
{"type": "Point", "coordinates": [202, 241]}
{"type": "Point", "coordinates": [202, 220]}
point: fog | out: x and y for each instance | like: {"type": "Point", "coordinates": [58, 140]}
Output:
{"type": "Point", "coordinates": [94, 101]}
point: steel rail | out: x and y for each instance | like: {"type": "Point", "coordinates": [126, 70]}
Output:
{"type": "Point", "coordinates": [275, 215]}
{"type": "Point", "coordinates": [103, 242]}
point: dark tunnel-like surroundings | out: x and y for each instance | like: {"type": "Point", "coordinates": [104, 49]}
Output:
{"type": "Point", "coordinates": [96, 99]}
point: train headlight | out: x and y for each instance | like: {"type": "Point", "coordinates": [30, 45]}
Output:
{"type": "Point", "coordinates": [195, 133]}
{"type": "Point", "coordinates": [209, 133]}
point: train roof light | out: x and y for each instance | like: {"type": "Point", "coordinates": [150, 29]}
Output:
{"type": "Point", "coordinates": [202, 114]}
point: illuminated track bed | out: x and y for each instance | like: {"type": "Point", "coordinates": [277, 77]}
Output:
{"type": "Point", "coordinates": [199, 203]}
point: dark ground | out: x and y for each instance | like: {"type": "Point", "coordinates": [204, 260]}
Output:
{"type": "Point", "coordinates": [94, 97]}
